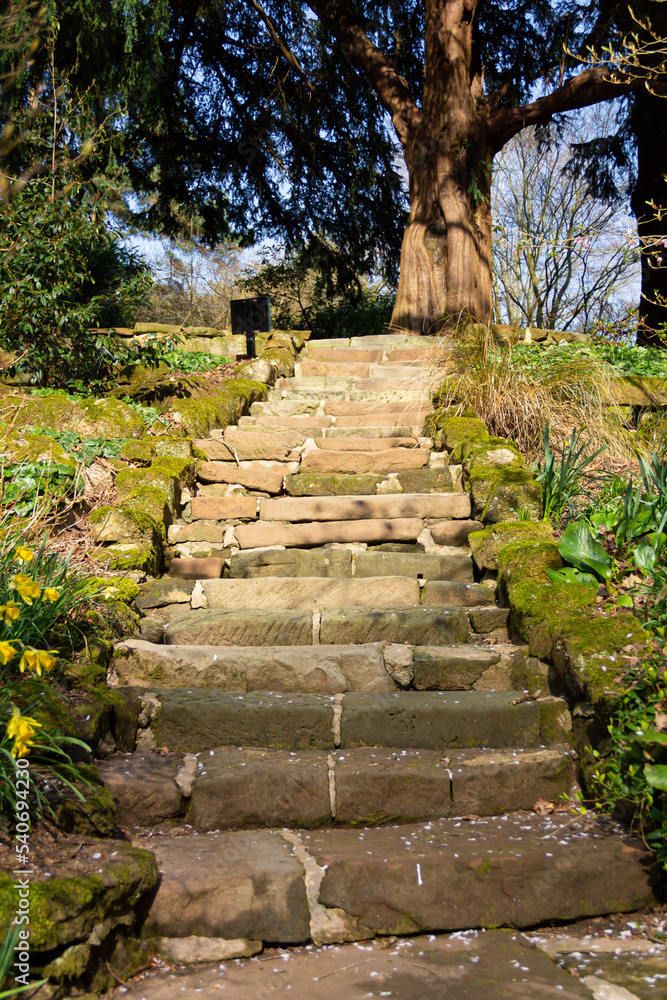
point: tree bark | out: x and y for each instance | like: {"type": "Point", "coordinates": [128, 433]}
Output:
{"type": "Point", "coordinates": [649, 205]}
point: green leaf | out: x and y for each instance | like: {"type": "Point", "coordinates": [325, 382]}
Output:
{"type": "Point", "coordinates": [656, 775]}
{"type": "Point", "coordinates": [578, 547]}
{"type": "Point", "coordinates": [652, 736]}
{"type": "Point", "coordinates": [645, 557]}
{"type": "Point", "coordinates": [570, 575]}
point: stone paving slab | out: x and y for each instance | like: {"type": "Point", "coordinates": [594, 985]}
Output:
{"type": "Point", "coordinates": [402, 412]}
{"type": "Point", "coordinates": [370, 432]}
{"type": "Point", "coordinates": [519, 871]}
{"type": "Point", "coordinates": [298, 421]}
{"type": "Point", "coordinates": [414, 626]}
{"type": "Point", "coordinates": [365, 443]}
{"type": "Point", "coordinates": [264, 480]}
{"type": "Point", "coordinates": [458, 967]}
{"type": "Point", "coordinates": [327, 669]}
{"type": "Point", "coordinates": [201, 719]}
{"type": "Point", "coordinates": [223, 508]}
{"type": "Point", "coordinates": [327, 369]}
{"type": "Point", "coordinates": [354, 508]}
{"type": "Point", "coordinates": [270, 448]}
{"type": "Point", "coordinates": [241, 628]}
{"type": "Point", "coordinates": [454, 590]}
{"type": "Point", "coordinates": [450, 668]}
{"type": "Point", "coordinates": [292, 563]}
{"type": "Point", "coordinates": [425, 566]}
{"type": "Point", "coordinates": [319, 484]}
{"type": "Point", "coordinates": [314, 353]}
{"type": "Point", "coordinates": [300, 593]}
{"type": "Point", "coordinates": [266, 533]}
{"type": "Point", "coordinates": [378, 419]}
{"type": "Point", "coordinates": [453, 532]}
{"type": "Point", "coordinates": [229, 886]}
{"type": "Point", "coordinates": [391, 460]}
{"type": "Point", "coordinates": [439, 720]}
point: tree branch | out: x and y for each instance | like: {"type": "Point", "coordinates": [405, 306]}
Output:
{"type": "Point", "coordinates": [281, 45]}
{"type": "Point", "coordinates": [589, 87]}
{"type": "Point", "coordinates": [391, 87]}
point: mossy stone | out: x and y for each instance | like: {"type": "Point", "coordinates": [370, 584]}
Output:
{"type": "Point", "coordinates": [33, 449]}
{"type": "Point", "coordinates": [281, 358]}
{"type": "Point", "coordinates": [460, 429]}
{"type": "Point", "coordinates": [125, 523]}
{"type": "Point", "coordinates": [491, 451]}
{"type": "Point", "coordinates": [111, 588]}
{"type": "Point", "coordinates": [316, 484]}
{"type": "Point", "coordinates": [92, 816]}
{"type": "Point", "coordinates": [218, 409]}
{"type": "Point", "coordinates": [132, 558]}
{"type": "Point", "coordinates": [426, 481]}
{"type": "Point", "coordinates": [99, 418]}
{"type": "Point", "coordinates": [139, 452]}
{"type": "Point", "coordinates": [586, 652]}
{"type": "Point", "coordinates": [174, 447]}
{"type": "Point", "coordinates": [130, 481]}
{"type": "Point", "coordinates": [485, 545]}
{"type": "Point", "coordinates": [38, 699]}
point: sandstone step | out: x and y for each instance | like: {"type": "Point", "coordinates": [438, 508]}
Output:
{"type": "Point", "coordinates": [249, 447]}
{"type": "Point", "coordinates": [234, 788]}
{"type": "Point", "coordinates": [362, 484]}
{"type": "Point", "coordinates": [297, 421]}
{"type": "Point", "coordinates": [328, 369]}
{"type": "Point", "coordinates": [481, 965]}
{"type": "Point", "coordinates": [341, 885]}
{"type": "Point", "coordinates": [365, 444]}
{"type": "Point", "coordinates": [316, 353]}
{"type": "Point", "coordinates": [309, 593]}
{"type": "Point", "coordinates": [328, 669]}
{"type": "Point", "coordinates": [370, 563]}
{"type": "Point", "coordinates": [389, 430]}
{"type": "Point", "coordinates": [354, 508]}
{"type": "Point", "coordinates": [291, 563]}
{"type": "Point", "coordinates": [418, 626]}
{"type": "Point", "coordinates": [318, 394]}
{"type": "Point", "coordinates": [263, 480]}
{"type": "Point", "coordinates": [267, 533]}
{"type": "Point", "coordinates": [198, 719]}
{"type": "Point", "coordinates": [405, 412]}
{"type": "Point", "coordinates": [389, 460]}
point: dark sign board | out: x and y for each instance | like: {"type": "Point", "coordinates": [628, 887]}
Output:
{"type": "Point", "coordinates": [251, 316]}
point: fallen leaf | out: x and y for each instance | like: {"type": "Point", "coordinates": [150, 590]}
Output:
{"type": "Point", "coordinates": [660, 722]}
{"type": "Point", "coordinates": [543, 808]}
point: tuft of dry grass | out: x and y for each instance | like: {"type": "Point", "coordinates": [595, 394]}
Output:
{"type": "Point", "coordinates": [516, 392]}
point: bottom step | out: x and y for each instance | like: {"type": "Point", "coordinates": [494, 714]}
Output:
{"type": "Point", "coordinates": [343, 885]}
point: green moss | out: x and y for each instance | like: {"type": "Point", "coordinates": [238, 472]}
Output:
{"type": "Point", "coordinates": [140, 452]}
{"type": "Point", "coordinates": [129, 558]}
{"type": "Point", "coordinates": [587, 651]}
{"type": "Point", "coordinates": [34, 449]}
{"type": "Point", "coordinates": [485, 545]}
{"type": "Point", "coordinates": [142, 521]}
{"type": "Point", "coordinates": [110, 588]}
{"type": "Point", "coordinates": [218, 409]}
{"type": "Point", "coordinates": [95, 816]}
{"type": "Point", "coordinates": [37, 698]}
{"type": "Point", "coordinates": [555, 721]}
{"type": "Point", "coordinates": [183, 468]}
{"type": "Point", "coordinates": [282, 359]}
{"type": "Point", "coordinates": [174, 447]}
{"type": "Point", "coordinates": [472, 453]}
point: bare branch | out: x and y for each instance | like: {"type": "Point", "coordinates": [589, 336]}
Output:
{"type": "Point", "coordinates": [282, 46]}
{"type": "Point", "coordinates": [589, 87]}
{"type": "Point", "coordinates": [391, 87]}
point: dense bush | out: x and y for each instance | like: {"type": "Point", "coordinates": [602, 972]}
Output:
{"type": "Point", "coordinates": [61, 274]}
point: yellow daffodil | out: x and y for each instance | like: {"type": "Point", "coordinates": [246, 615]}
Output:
{"type": "Point", "coordinates": [21, 728]}
{"type": "Point", "coordinates": [24, 554]}
{"type": "Point", "coordinates": [37, 660]}
{"type": "Point", "coordinates": [7, 652]}
{"type": "Point", "coordinates": [51, 594]}
{"type": "Point", "coordinates": [9, 612]}
{"type": "Point", "coordinates": [27, 588]}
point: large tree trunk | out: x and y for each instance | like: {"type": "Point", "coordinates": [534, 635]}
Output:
{"type": "Point", "coordinates": [649, 204]}
{"type": "Point", "coordinates": [445, 271]}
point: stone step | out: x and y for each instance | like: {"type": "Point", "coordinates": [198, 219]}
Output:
{"type": "Point", "coordinates": [328, 669]}
{"type": "Point", "coordinates": [316, 353]}
{"type": "Point", "coordinates": [309, 593]}
{"type": "Point", "coordinates": [235, 788]}
{"type": "Point", "coordinates": [403, 412]}
{"type": "Point", "coordinates": [313, 393]}
{"type": "Point", "coordinates": [416, 380]}
{"type": "Point", "coordinates": [356, 463]}
{"type": "Point", "coordinates": [197, 719]}
{"type": "Point", "coordinates": [365, 444]}
{"type": "Point", "coordinates": [345, 884]}
{"type": "Point", "coordinates": [348, 484]}
{"type": "Point", "coordinates": [263, 480]}
{"type": "Point", "coordinates": [370, 563]}
{"type": "Point", "coordinates": [244, 446]}
{"type": "Point", "coordinates": [417, 626]}
{"type": "Point", "coordinates": [262, 534]}
{"type": "Point", "coordinates": [354, 508]}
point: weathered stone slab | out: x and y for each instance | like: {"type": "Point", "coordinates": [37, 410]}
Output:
{"type": "Point", "coordinates": [403, 354]}
{"type": "Point", "coordinates": [417, 381]}
{"type": "Point", "coordinates": [373, 432]}
{"type": "Point", "coordinates": [365, 444]}
{"type": "Point", "coordinates": [280, 429]}
{"type": "Point", "coordinates": [192, 568]}
{"type": "Point", "coordinates": [263, 480]}
{"type": "Point", "coordinates": [327, 369]}
{"type": "Point", "coordinates": [202, 531]}
{"type": "Point", "coordinates": [316, 385]}
{"type": "Point", "coordinates": [330, 669]}
{"type": "Point", "coordinates": [163, 592]}
{"type": "Point", "coordinates": [403, 412]}
{"type": "Point", "coordinates": [450, 668]}
{"type": "Point", "coordinates": [390, 460]}
{"type": "Point", "coordinates": [483, 873]}
{"type": "Point", "coordinates": [291, 562]}
{"type": "Point", "coordinates": [298, 421]}
{"type": "Point", "coordinates": [144, 787]}
{"type": "Point", "coordinates": [493, 782]}
{"type": "Point", "coordinates": [398, 505]}
{"type": "Point", "coordinates": [229, 886]}
{"type": "Point", "coordinates": [250, 788]}
{"type": "Point", "coordinates": [270, 448]}
{"type": "Point", "coordinates": [234, 437]}
{"type": "Point", "coordinates": [320, 485]}
{"type": "Point", "coordinates": [426, 567]}
{"type": "Point", "coordinates": [198, 719]}
{"type": "Point", "coordinates": [446, 591]}
{"type": "Point", "coordinates": [485, 620]}
{"type": "Point", "coordinates": [265, 533]}
{"type": "Point", "coordinates": [376, 786]}
{"type": "Point", "coordinates": [241, 628]}
{"type": "Point", "coordinates": [379, 419]}
{"type": "Point", "coordinates": [437, 720]}
{"type": "Point", "coordinates": [401, 396]}
{"type": "Point", "coordinates": [415, 626]}
{"type": "Point", "coordinates": [285, 408]}
{"type": "Point", "coordinates": [428, 481]}
{"type": "Point", "coordinates": [298, 593]}
{"type": "Point", "coordinates": [223, 508]}
{"type": "Point", "coordinates": [314, 353]}
{"type": "Point", "coordinates": [453, 532]}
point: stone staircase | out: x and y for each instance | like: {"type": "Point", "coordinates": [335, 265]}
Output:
{"type": "Point", "coordinates": [322, 740]}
